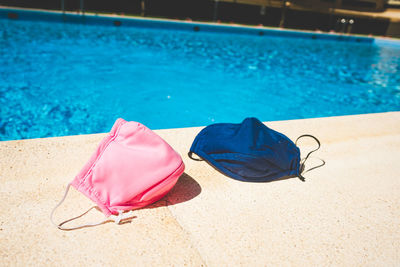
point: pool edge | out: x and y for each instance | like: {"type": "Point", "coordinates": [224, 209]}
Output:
{"type": "Point", "coordinates": [117, 20]}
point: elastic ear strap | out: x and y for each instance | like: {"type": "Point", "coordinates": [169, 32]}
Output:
{"type": "Point", "coordinates": [190, 155]}
{"type": "Point", "coordinates": [60, 226]}
{"type": "Point", "coordinates": [304, 159]}
{"type": "Point", "coordinates": [59, 204]}
{"type": "Point", "coordinates": [320, 165]}
{"type": "Point", "coordinates": [117, 219]}
{"type": "Point", "coordinates": [309, 153]}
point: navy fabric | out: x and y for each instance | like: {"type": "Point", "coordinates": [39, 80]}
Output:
{"type": "Point", "coordinates": [248, 151]}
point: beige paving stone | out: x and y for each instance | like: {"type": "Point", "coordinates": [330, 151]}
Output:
{"type": "Point", "coordinates": [33, 177]}
{"type": "Point", "coordinates": [346, 213]}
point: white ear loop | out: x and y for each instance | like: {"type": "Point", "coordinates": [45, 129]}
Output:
{"type": "Point", "coordinates": [116, 218]}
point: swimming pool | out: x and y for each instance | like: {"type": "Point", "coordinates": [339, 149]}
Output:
{"type": "Point", "coordinates": [68, 78]}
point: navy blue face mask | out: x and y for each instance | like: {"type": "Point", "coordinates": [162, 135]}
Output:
{"type": "Point", "coordinates": [249, 151]}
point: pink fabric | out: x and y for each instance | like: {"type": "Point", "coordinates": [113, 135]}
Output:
{"type": "Point", "coordinates": [131, 168]}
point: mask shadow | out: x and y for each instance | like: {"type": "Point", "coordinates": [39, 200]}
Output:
{"type": "Point", "coordinates": [184, 190]}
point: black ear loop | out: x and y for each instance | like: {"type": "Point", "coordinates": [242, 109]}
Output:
{"type": "Point", "coordinates": [303, 161]}
{"type": "Point", "coordinates": [190, 154]}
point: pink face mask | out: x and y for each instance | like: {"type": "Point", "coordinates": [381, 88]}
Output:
{"type": "Point", "coordinates": [131, 168]}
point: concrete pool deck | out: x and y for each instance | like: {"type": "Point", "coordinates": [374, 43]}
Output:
{"type": "Point", "coordinates": [346, 213]}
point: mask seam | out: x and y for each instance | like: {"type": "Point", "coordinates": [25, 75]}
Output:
{"type": "Point", "coordinates": [87, 188]}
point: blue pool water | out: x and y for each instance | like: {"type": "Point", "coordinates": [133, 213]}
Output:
{"type": "Point", "coordinates": [64, 79]}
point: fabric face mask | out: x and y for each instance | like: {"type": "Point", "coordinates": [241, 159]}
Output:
{"type": "Point", "coordinates": [249, 151]}
{"type": "Point", "coordinates": [131, 168]}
